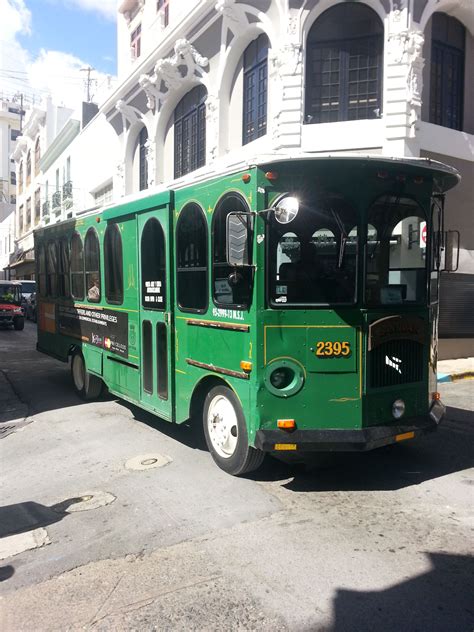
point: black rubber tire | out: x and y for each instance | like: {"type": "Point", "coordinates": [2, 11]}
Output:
{"type": "Point", "coordinates": [91, 386]}
{"type": "Point", "coordinates": [19, 323]}
{"type": "Point", "coordinates": [245, 458]}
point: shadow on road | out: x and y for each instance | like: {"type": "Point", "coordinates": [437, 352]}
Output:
{"type": "Point", "coordinates": [6, 572]}
{"type": "Point", "coordinates": [440, 600]}
{"type": "Point", "coordinates": [30, 515]}
{"type": "Point", "coordinates": [446, 451]}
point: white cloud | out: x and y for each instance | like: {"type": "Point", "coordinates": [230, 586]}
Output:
{"type": "Point", "coordinates": [52, 72]}
{"type": "Point", "coordinates": [107, 8]}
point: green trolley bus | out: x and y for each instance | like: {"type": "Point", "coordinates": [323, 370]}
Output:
{"type": "Point", "coordinates": [290, 305]}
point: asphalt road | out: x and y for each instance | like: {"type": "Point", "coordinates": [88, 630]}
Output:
{"type": "Point", "coordinates": [376, 541]}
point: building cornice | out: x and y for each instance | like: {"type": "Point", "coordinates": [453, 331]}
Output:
{"type": "Point", "coordinates": [35, 121]}
{"type": "Point", "coordinates": [59, 144]}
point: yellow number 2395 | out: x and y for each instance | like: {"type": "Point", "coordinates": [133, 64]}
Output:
{"type": "Point", "coordinates": [330, 349]}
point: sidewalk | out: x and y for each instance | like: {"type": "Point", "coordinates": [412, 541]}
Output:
{"type": "Point", "coordinates": [452, 370]}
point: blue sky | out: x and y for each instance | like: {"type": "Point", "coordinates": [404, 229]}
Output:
{"type": "Point", "coordinates": [70, 29]}
{"type": "Point", "coordinates": [45, 43]}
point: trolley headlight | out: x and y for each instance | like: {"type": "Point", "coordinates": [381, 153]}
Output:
{"type": "Point", "coordinates": [284, 377]}
{"type": "Point", "coordinates": [398, 408]}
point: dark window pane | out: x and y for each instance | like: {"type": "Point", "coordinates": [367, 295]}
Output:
{"type": "Point", "coordinates": [77, 267]}
{"type": "Point", "coordinates": [191, 259]}
{"type": "Point", "coordinates": [41, 271]}
{"type": "Point", "coordinates": [92, 265]}
{"type": "Point", "coordinates": [348, 39]}
{"type": "Point", "coordinates": [147, 354]}
{"type": "Point", "coordinates": [254, 123]}
{"type": "Point", "coordinates": [190, 132]}
{"type": "Point", "coordinates": [64, 255]}
{"type": "Point", "coordinates": [52, 269]}
{"type": "Point", "coordinates": [162, 360]}
{"type": "Point", "coordinates": [143, 160]}
{"type": "Point", "coordinates": [113, 265]}
{"type": "Point", "coordinates": [153, 255]}
{"type": "Point", "coordinates": [234, 291]}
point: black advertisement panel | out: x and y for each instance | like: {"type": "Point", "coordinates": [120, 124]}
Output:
{"type": "Point", "coordinates": [104, 328]}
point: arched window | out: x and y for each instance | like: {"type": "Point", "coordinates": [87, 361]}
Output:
{"type": "Point", "coordinates": [142, 160]}
{"type": "Point", "coordinates": [191, 259]}
{"type": "Point", "coordinates": [92, 266]}
{"type": "Point", "coordinates": [153, 257]}
{"type": "Point", "coordinates": [113, 265]}
{"type": "Point", "coordinates": [28, 168]}
{"type": "Point", "coordinates": [77, 267]}
{"type": "Point", "coordinates": [190, 132]}
{"type": "Point", "coordinates": [344, 65]}
{"type": "Point", "coordinates": [20, 177]}
{"type": "Point", "coordinates": [64, 265]}
{"type": "Point", "coordinates": [229, 287]}
{"type": "Point", "coordinates": [52, 269]}
{"type": "Point", "coordinates": [255, 89]}
{"type": "Point", "coordinates": [447, 71]}
{"type": "Point", "coordinates": [396, 258]}
{"type": "Point", "coordinates": [41, 271]}
{"type": "Point", "coordinates": [37, 156]}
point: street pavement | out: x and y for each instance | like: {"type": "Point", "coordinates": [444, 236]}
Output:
{"type": "Point", "coordinates": [114, 520]}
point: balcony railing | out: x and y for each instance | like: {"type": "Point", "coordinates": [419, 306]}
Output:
{"type": "Point", "coordinates": [67, 189]}
{"type": "Point", "coordinates": [56, 200]}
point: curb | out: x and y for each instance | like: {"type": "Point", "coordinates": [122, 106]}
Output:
{"type": "Point", "coordinates": [455, 377]}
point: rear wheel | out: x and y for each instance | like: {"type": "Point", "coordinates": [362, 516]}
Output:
{"type": "Point", "coordinates": [85, 384]}
{"type": "Point", "coordinates": [19, 323]}
{"type": "Point", "coordinates": [226, 433]}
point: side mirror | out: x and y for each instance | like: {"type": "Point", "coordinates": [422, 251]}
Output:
{"type": "Point", "coordinates": [451, 253]}
{"type": "Point", "coordinates": [238, 238]}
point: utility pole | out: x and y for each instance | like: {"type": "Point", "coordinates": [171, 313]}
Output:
{"type": "Point", "coordinates": [88, 81]}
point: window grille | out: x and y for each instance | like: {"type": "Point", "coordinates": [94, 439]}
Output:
{"type": "Point", "coordinates": [447, 72]}
{"type": "Point", "coordinates": [190, 132]}
{"type": "Point", "coordinates": [344, 65]}
{"type": "Point", "coordinates": [255, 89]}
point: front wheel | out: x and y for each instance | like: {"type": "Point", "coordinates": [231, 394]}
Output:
{"type": "Point", "coordinates": [86, 385]}
{"type": "Point", "coordinates": [226, 433]}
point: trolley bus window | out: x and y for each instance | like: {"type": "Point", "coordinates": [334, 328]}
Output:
{"type": "Point", "coordinates": [92, 266]}
{"type": "Point", "coordinates": [64, 286]}
{"type": "Point", "coordinates": [52, 269]}
{"type": "Point", "coordinates": [153, 266]}
{"type": "Point", "coordinates": [313, 258]}
{"type": "Point", "coordinates": [113, 265]}
{"type": "Point", "coordinates": [77, 267]}
{"type": "Point", "coordinates": [230, 287]}
{"type": "Point", "coordinates": [41, 271]}
{"type": "Point", "coordinates": [396, 254]}
{"type": "Point", "coordinates": [191, 259]}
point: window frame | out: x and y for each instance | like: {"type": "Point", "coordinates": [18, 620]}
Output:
{"type": "Point", "coordinates": [52, 274]}
{"type": "Point", "coordinates": [150, 306]}
{"type": "Point", "coordinates": [92, 235]}
{"type": "Point", "coordinates": [190, 154]}
{"type": "Point", "coordinates": [221, 201]}
{"type": "Point", "coordinates": [181, 308]}
{"type": "Point", "coordinates": [253, 90]}
{"type": "Point", "coordinates": [142, 159]}
{"type": "Point", "coordinates": [344, 46]}
{"type": "Point", "coordinates": [115, 298]}
{"type": "Point", "coordinates": [72, 273]}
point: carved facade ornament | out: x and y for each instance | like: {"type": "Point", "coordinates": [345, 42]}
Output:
{"type": "Point", "coordinates": [212, 125]}
{"type": "Point", "coordinates": [285, 60]}
{"type": "Point", "coordinates": [129, 113]}
{"type": "Point", "coordinates": [186, 65]}
{"type": "Point", "coordinates": [119, 184]}
{"type": "Point", "coordinates": [235, 17]}
{"type": "Point", "coordinates": [415, 63]}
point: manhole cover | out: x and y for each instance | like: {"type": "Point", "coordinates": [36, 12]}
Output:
{"type": "Point", "coordinates": [147, 461]}
{"type": "Point", "coordinates": [85, 502]}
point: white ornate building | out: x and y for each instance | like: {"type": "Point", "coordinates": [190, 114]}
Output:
{"type": "Point", "coordinates": [206, 84]}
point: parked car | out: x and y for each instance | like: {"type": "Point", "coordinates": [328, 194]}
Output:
{"type": "Point", "coordinates": [27, 288]}
{"type": "Point", "coordinates": [11, 313]}
{"type": "Point", "coordinates": [31, 307]}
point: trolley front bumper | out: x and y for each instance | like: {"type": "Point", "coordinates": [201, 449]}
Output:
{"type": "Point", "coordinates": [369, 438]}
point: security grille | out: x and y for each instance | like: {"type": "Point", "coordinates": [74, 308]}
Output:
{"type": "Point", "coordinates": [396, 362]}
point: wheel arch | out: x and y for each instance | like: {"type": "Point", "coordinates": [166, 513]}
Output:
{"type": "Point", "coordinates": [201, 389]}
